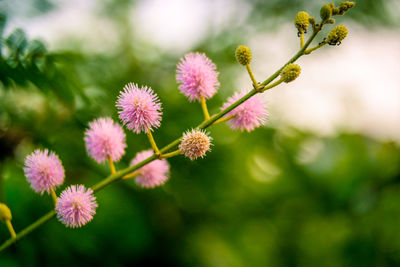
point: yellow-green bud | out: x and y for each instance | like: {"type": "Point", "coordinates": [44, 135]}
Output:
{"type": "Point", "coordinates": [326, 12]}
{"type": "Point", "coordinates": [243, 55]}
{"type": "Point", "coordinates": [301, 21]}
{"type": "Point", "coordinates": [336, 35]}
{"type": "Point", "coordinates": [5, 213]}
{"type": "Point", "coordinates": [290, 72]}
{"type": "Point", "coordinates": [331, 21]}
{"type": "Point", "coordinates": [345, 6]}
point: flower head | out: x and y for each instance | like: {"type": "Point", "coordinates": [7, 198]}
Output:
{"type": "Point", "coordinates": [76, 206]}
{"type": "Point", "coordinates": [139, 108]}
{"type": "Point", "coordinates": [301, 21]}
{"type": "Point", "coordinates": [195, 144]}
{"type": "Point", "coordinates": [105, 138]}
{"type": "Point", "coordinates": [290, 72]}
{"type": "Point", "coordinates": [5, 213]}
{"type": "Point", "coordinates": [197, 76]}
{"type": "Point", "coordinates": [249, 115]}
{"type": "Point", "coordinates": [336, 35]}
{"type": "Point", "coordinates": [152, 174]}
{"type": "Point", "coordinates": [243, 55]}
{"type": "Point", "coordinates": [43, 170]}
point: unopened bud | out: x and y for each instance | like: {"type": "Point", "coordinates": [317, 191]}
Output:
{"type": "Point", "coordinates": [336, 35]}
{"type": "Point", "coordinates": [326, 12]}
{"type": "Point", "coordinates": [243, 55]}
{"type": "Point", "coordinates": [195, 144]}
{"type": "Point", "coordinates": [5, 213]}
{"type": "Point", "coordinates": [290, 72]}
{"type": "Point", "coordinates": [301, 21]}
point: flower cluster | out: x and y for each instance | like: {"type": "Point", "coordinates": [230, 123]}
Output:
{"type": "Point", "coordinates": [139, 109]}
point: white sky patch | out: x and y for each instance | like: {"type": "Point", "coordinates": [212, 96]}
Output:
{"type": "Point", "coordinates": [177, 25]}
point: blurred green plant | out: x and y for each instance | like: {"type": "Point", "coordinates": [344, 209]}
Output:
{"type": "Point", "coordinates": [279, 197]}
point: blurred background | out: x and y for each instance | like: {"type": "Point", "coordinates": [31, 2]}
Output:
{"type": "Point", "coordinates": [318, 185]}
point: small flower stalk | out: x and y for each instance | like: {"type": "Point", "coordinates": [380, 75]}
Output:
{"type": "Point", "coordinates": [5, 217]}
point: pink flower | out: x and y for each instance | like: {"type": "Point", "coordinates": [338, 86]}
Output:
{"type": "Point", "coordinates": [152, 174]}
{"type": "Point", "coordinates": [197, 76]}
{"type": "Point", "coordinates": [76, 206]}
{"type": "Point", "coordinates": [249, 115]}
{"type": "Point", "coordinates": [105, 138]}
{"type": "Point", "coordinates": [43, 170]}
{"type": "Point", "coordinates": [139, 108]}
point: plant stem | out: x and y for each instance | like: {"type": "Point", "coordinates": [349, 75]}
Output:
{"type": "Point", "coordinates": [111, 164]}
{"type": "Point", "coordinates": [54, 196]}
{"type": "Point", "coordinates": [253, 79]}
{"type": "Point", "coordinates": [131, 175]}
{"type": "Point", "coordinates": [28, 229]}
{"type": "Point", "coordinates": [224, 119]}
{"type": "Point", "coordinates": [301, 39]}
{"type": "Point", "coordinates": [152, 142]}
{"type": "Point", "coordinates": [120, 174]}
{"type": "Point", "coordinates": [204, 108]}
{"type": "Point", "coordinates": [278, 82]}
{"type": "Point", "coordinates": [171, 154]}
{"type": "Point", "coordinates": [308, 51]}
{"type": "Point", "coordinates": [11, 229]}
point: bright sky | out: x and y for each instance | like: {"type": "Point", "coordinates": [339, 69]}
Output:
{"type": "Point", "coordinates": [354, 87]}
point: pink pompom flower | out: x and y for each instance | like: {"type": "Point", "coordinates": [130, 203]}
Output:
{"type": "Point", "coordinates": [105, 138]}
{"type": "Point", "coordinates": [197, 76]}
{"type": "Point", "coordinates": [139, 108]}
{"type": "Point", "coordinates": [44, 170]}
{"type": "Point", "coordinates": [152, 174]}
{"type": "Point", "coordinates": [76, 206]}
{"type": "Point", "coordinates": [249, 115]}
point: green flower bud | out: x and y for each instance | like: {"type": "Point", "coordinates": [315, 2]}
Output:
{"type": "Point", "coordinates": [345, 6]}
{"type": "Point", "coordinates": [331, 21]}
{"type": "Point", "coordinates": [336, 35]}
{"type": "Point", "coordinates": [243, 55]}
{"type": "Point", "coordinates": [311, 20]}
{"type": "Point", "coordinates": [326, 12]}
{"type": "Point", "coordinates": [290, 72]}
{"type": "Point", "coordinates": [5, 213]}
{"type": "Point", "coordinates": [301, 21]}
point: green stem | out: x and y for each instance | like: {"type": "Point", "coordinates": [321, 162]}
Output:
{"type": "Point", "coordinates": [171, 154]}
{"type": "Point", "coordinates": [111, 164]}
{"type": "Point", "coordinates": [224, 119]}
{"type": "Point", "coordinates": [28, 229]}
{"type": "Point", "coordinates": [308, 51]}
{"type": "Point", "coordinates": [120, 174]}
{"type": "Point", "coordinates": [204, 108]}
{"type": "Point", "coordinates": [152, 142]}
{"type": "Point", "coordinates": [293, 59]}
{"type": "Point", "coordinates": [301, 39]}
{"type": "Point", "coordinates": [253, 79]}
